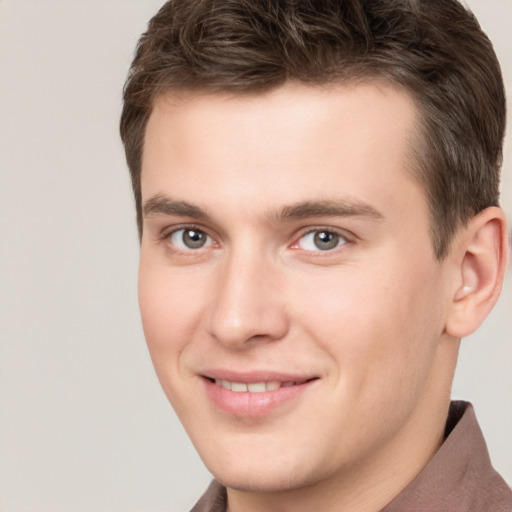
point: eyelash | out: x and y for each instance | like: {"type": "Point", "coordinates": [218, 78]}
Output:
{"type": "Point", "coordinates": [346, 239]}
{"type": "Point", "coordinates": [166, 237]}
{"type": "Point", "coordinates": [343, 240]}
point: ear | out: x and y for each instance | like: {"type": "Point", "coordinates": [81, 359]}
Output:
{"type": "Point", "coordinates": [481, 257]}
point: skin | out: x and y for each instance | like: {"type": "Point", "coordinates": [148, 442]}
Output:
{"type": "Point", "coordinates": [368, 318]}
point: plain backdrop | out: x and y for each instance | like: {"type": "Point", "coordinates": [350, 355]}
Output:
{"type": "Point", "coordinates": [84, 426]}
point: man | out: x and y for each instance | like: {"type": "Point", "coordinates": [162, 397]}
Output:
{"type": "Point", "coordinates": [317, 197]}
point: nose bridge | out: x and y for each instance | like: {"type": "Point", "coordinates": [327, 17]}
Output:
{"type": "Point", "coordinates": [247, 304]}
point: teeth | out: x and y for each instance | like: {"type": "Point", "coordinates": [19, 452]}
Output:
{"type": "Point", "coordinates": [253, 387]}
{"type": "Point", "coordinates": [273, 385]}
{"type": "Point", "coordinates": [224, 383]}
{"type": "Point", "coordinates": [256, 387]}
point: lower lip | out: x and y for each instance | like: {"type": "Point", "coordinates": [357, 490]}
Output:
{"type": "Point", "coordinates": [253, 405]}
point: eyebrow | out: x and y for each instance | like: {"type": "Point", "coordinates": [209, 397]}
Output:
{"type": "Point", "coordinates": [161, 205]}
{"type": "Point", "coordinates": [328, 208]}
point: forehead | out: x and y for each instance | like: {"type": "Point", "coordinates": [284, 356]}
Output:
{"type": "Point", "coordinates": [296, 140]}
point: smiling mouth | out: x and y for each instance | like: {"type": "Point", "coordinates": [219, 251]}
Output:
{"type": "Point", "coordinates": [257, 387]}
{"type": "Point", "coordinates": [252, 396]}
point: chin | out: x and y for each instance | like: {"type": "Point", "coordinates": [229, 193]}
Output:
{"type": "Point", "coordinates": [269, 476]}
{"type": "Point", "coordinates": [260, 483]}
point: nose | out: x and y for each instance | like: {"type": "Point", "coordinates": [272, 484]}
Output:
{"type": "Point", "coordinates": [248, 305]}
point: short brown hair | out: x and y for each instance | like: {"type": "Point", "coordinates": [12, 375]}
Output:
{"type": "Point", "coordinates": [434, 49]}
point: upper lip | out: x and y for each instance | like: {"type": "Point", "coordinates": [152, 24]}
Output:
{"type": "Point", "coordinates": [256, 376]}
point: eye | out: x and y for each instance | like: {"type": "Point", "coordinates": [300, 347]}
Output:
{"type": "Point", "coordinates": [187, 239]}
{"type": "Point", "coordinates": [321, 240]}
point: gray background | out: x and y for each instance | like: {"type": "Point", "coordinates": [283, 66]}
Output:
{"type": "Point", "coordinates": [84, 425]}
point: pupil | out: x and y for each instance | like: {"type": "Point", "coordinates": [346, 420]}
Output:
{"type": "Point", "coordinates": [325, 240]}
{"type": "Point", "coordinates": [193, 239]}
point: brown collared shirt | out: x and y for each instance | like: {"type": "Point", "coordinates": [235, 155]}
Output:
{"type": "Point", "coordinates": [459, 478]}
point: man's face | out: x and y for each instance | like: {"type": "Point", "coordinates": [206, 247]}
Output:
{"type": "Point", "coordinates": [291, 300]}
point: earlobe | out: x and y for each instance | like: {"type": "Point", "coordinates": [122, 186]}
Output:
{"type": "Point", "coordinates": [482, 250]}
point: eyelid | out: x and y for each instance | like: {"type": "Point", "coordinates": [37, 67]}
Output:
{"type": "Point", "coordinates": [165, 234]}
{"type": "Point", "coordinates": [169, 231]}
{"type": "Point", "coordinates": [346, 235]}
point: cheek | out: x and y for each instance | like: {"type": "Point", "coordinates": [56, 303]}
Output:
{"type": "Point", "coordinates": [373, 324]}
{"type": "Point", "coordinates": [169, 308]}
{"type": "Point", "coordinates": [380, 349]}
{"type": "Point", "coordinates": [168, 303]}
